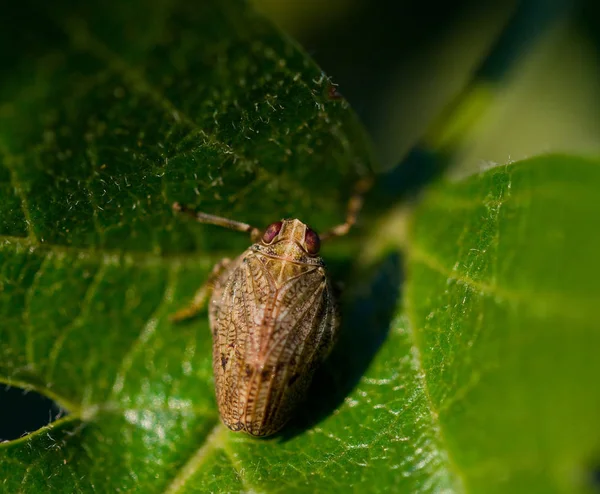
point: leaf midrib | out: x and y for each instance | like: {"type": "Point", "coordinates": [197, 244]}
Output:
{"type": "Point", "coordinates": [109, 256]}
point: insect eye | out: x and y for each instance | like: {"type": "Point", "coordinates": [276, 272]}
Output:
{"type": "Point", "coordinates": [271, 232]}
{"type": "Point", "coordinates": [312, 241]}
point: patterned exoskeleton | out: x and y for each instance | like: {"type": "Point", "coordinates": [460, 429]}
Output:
{"type": "Point", "coordinates": [273, 317]}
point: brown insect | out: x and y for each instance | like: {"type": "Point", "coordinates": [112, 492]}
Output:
{"type": "Point", "coordinates": [273, 317]}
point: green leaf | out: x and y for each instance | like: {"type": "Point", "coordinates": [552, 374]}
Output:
{"type": "Point", "coordinates": [106, 119]}
{"type": "Point", "coordinates": [502, 304]}
{"type": "Point", "coordinates": [482, 380]}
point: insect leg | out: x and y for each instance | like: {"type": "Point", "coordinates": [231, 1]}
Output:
{"type": "Point", "coordinates": [219, 221]}
{"type": "Point", "coordinates": [201, 296]}
{"type": "Point", "coordinates": [354, 206]}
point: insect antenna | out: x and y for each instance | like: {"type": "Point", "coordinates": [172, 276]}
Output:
{"type": "Point", "coordinates": [211, 219]}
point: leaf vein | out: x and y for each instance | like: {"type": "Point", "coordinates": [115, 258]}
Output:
{"type": "Point", "coordinates": [81, 36]}
{"type": "Point", "coordinates": [148, 329]}
{"type": "Point", "coordinates": [539, 304]}
{"type": "Point", "coordinates": [212, 441]}
{"type": "Point", "coordinates": [20, 191]}
{"type": "Point", "coordinates": [29, 349]}
{"type": "Point", "coordinates": [110, 255]}
{"type": "Point", "coordinates": [417, 360]}
{"type": "Point", "coordinates": [83, 307]}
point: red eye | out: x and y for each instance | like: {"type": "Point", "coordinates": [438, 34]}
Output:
{"type": "Point", "coordinates": [271, 232]}
{"type": "Point", "coordinates": [312, 241]}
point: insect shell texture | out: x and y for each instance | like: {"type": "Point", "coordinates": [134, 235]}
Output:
{"type": "Point", "coordinates": [274, 320]}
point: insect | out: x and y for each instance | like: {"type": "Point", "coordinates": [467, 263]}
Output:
{"type": "Point", "coordinates": [273, 317]}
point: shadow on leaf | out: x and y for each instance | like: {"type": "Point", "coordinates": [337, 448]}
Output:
{"type": "Point", "coordinates": [367, 311]}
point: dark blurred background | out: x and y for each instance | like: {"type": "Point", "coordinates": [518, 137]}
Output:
{"type": "Point", "coordinates": [400, 63]}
